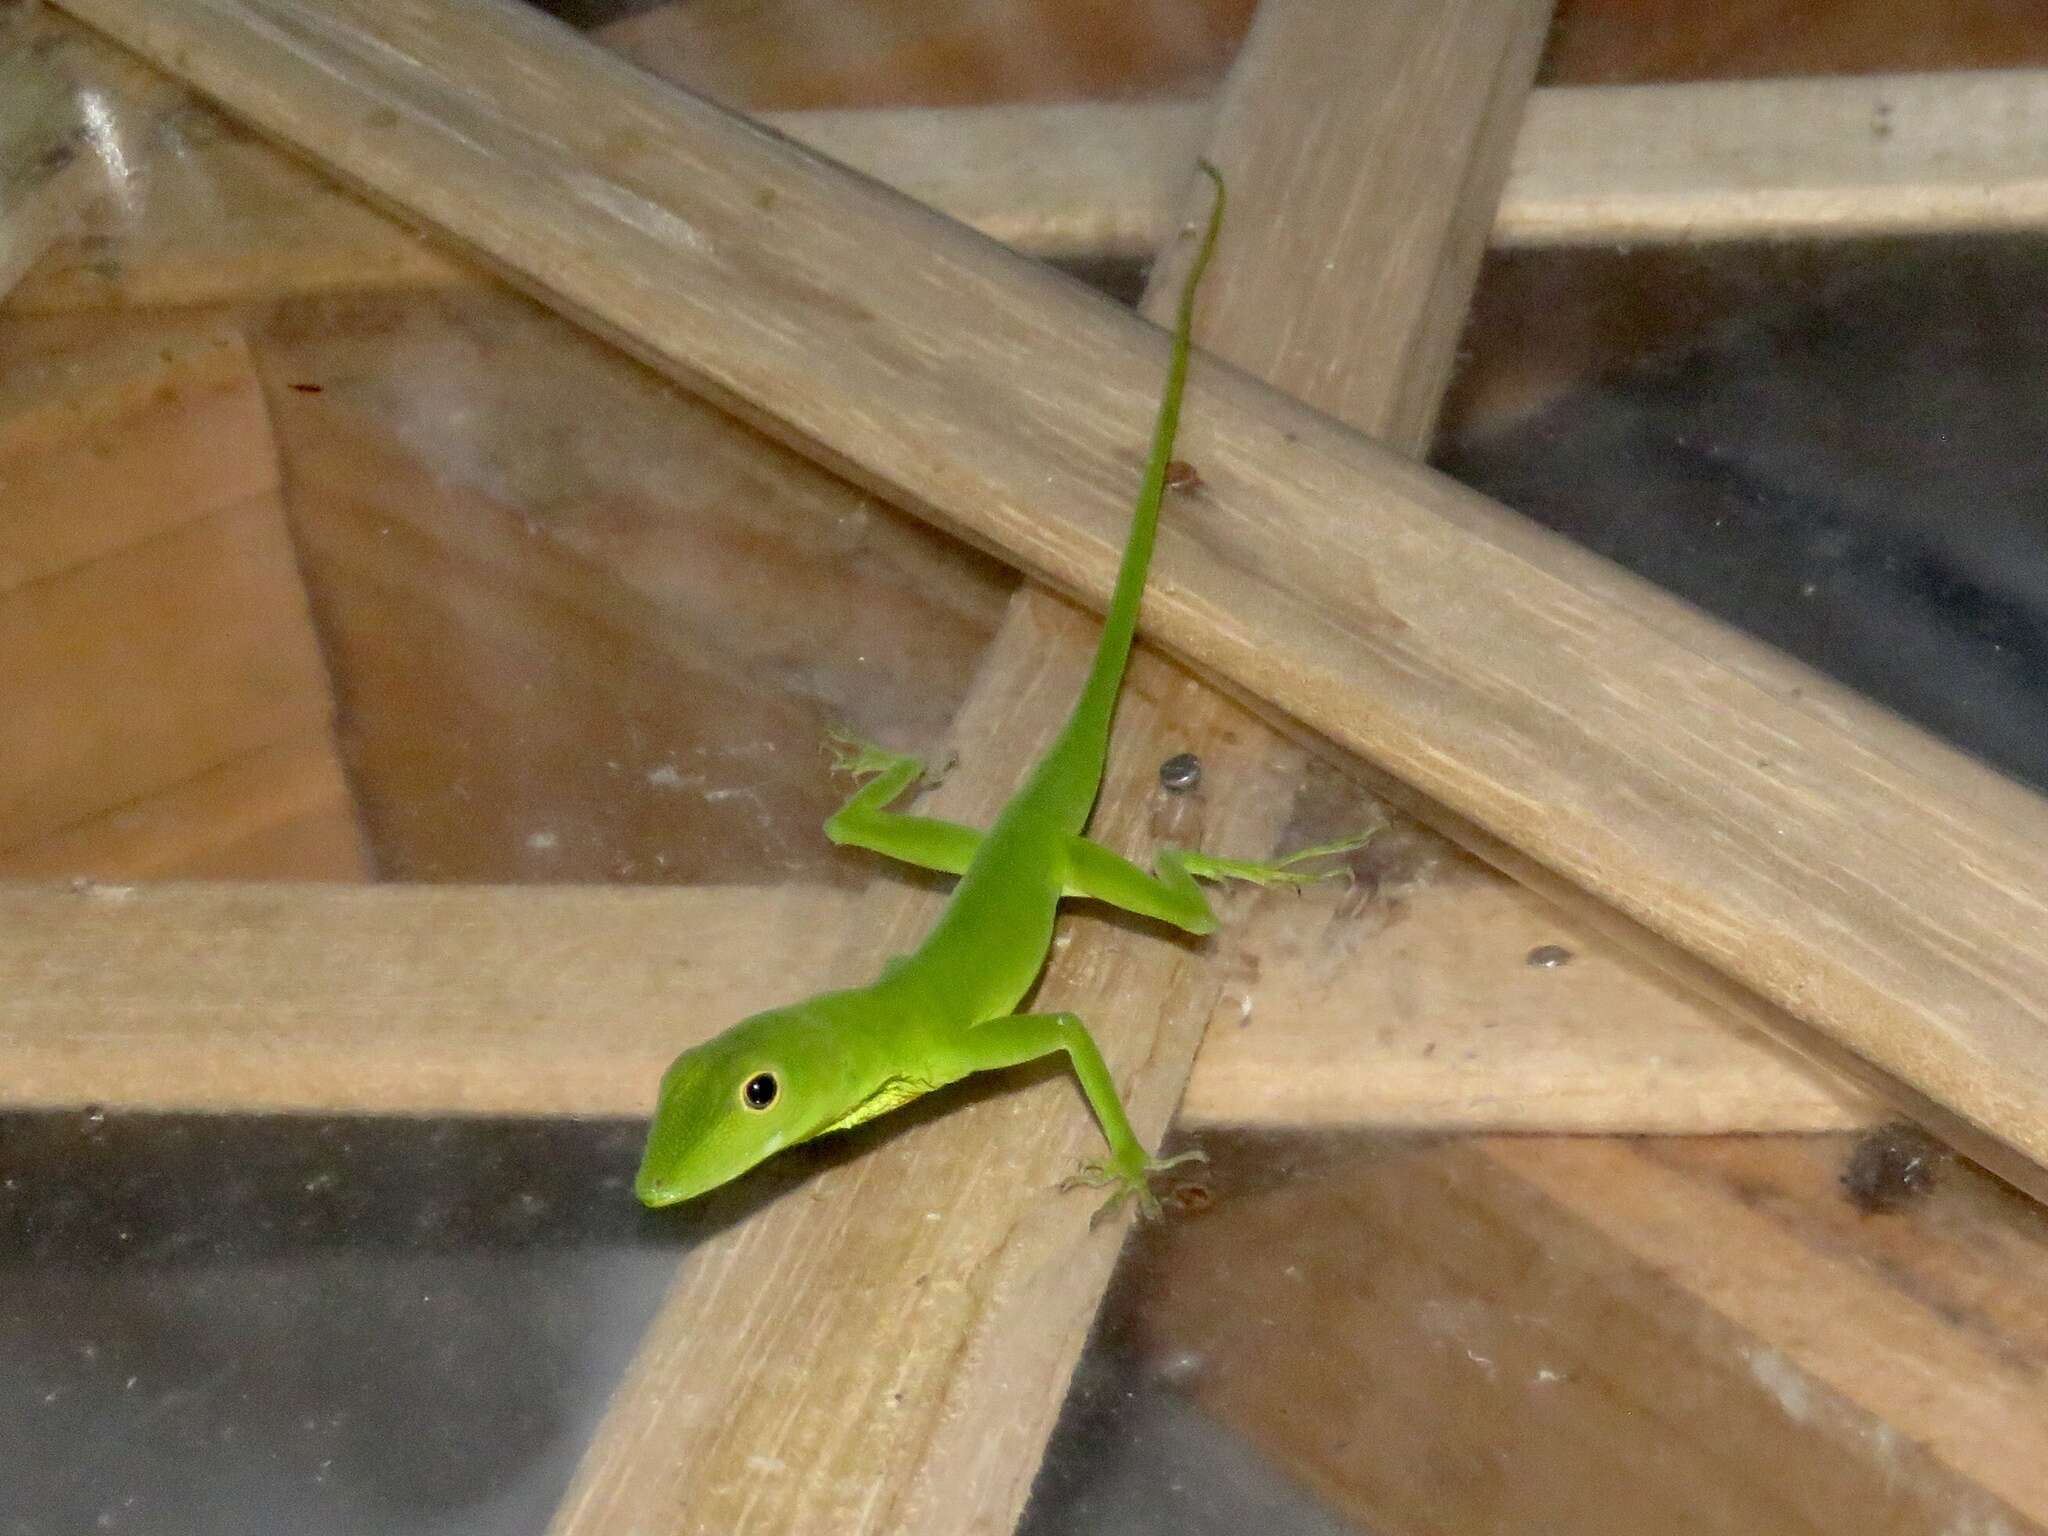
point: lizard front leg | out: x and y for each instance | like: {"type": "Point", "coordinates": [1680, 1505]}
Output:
{"type": "Point", "coordinates": [865, 822]}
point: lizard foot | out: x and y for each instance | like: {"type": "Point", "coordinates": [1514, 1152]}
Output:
{"type": "Point", "coordinates": [861, 758]}
{"type": "Point", "coordinates": [1279, 871]}
{"type": "Point", "coordinates": [1127, 1178]}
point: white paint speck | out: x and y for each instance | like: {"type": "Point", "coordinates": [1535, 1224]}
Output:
{"type": "Point", "coordinates": [1783, 1380]}
{"type": "Point", "coordinates": [644, 214]}
{"type": "Point", "coordinates": [542, 842]}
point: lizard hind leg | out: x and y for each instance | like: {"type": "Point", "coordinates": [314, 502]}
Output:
{"type": "Point", "coordinates": [1127, 1167]}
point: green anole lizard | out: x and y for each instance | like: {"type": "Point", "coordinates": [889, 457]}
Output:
{"type": "Point", "coordinates": [945, 1010]}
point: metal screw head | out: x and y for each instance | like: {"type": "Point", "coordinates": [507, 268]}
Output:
{"type": "Point", "coordinates": [1180, 773]}
{"type": "Point", "coordinates": [1549, 957]}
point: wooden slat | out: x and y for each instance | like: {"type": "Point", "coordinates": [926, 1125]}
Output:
{"type": "Point", "coordinates": [1328, 1019]}
{"type": "Point", "coordinates": [1064, 181]}
{"type": "Point", "coordinates": [1803, 159]}
{"type": "Point", "coordinates": [412, 999]}
{"type": "Point", "coordinates": [1421, 1009]}
{"type": "Point", "coordinates": [1820, 159]}
{"type": "Point", "coordinates": [936, 1294]}
{"type": "Point", "coordinates": [1426, 1010]}
{"type": "Point", "coordinates": [1867, 881]}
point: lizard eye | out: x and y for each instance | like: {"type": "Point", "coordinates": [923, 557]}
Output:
{"type": "Point", "coordinates": [760, 1090]}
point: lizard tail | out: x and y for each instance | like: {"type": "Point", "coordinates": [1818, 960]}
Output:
{"type": "Point", "coordinates": [1097, 703]}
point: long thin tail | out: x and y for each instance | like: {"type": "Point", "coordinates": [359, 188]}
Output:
{"type": "Point", "coordinates": [1098, 697]}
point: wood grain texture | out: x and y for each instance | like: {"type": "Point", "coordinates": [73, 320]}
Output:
{"type": "Point", "coordinates": [1872, 884]}
{"type": "Point", "coordinates": [600, 642]}
{"type": "Point", "coordinates": [281, 812]}
{"type": "Point", "coordinates": [1633, 41]}
{"type": "Point", "coordinates": [1935, 1328]}
{"type": "Point", "coordinates": [385, 999]}
{"type": "Point", "coordinates": [1781, 159]}
{"type": "Point", "coordinates": [934, 1294]}
{"type": "Point", "coordinates": [582, 730]}
{"type": "Point", "coordinates": [931, 1287]}
{"type": "Point", "coordinates": [121, 439]}
{"type": "Point", "coordinates": [1798, 159]}
{"type": "Point", "coordinates": [1408, 1002]}
{"type": "Point", "coordinates": [223, 215]}
{"type": "Point", "coordinates": [826, 54]}
{"type": "Point", "coordinates": [212, 213]}
{"type": "Point", "coordinates": [1422, 998]}
{"type": "Point", "coordinates": [159, 682]}
{"type": "Point", "coordinates": [1604, 1336]}
{"type": "Point", "coordinates": [1061, 180]}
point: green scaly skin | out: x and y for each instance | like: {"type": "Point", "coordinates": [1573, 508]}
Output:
{"type": "Point", "coordinates": [947, 1009]}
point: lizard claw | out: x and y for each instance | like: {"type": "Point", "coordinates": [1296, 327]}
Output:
{"type": "Point", "coordinates": [1127, 1179]}
{"type": "Point", "coordinates": [1279, 871]}
{"type": "Point", "coordinates": [858, 757]}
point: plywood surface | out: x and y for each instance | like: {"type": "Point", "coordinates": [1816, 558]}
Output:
{"type": "Point", "coordinates": [1602, 1335]}
{"type": "Point", "coordinates": [601, 643]}
{"type": "Point", "coordinates": [156, 639]}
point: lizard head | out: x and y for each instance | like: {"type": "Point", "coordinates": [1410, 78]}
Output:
{"type": "Point", "coordinates": [732, 1102]}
